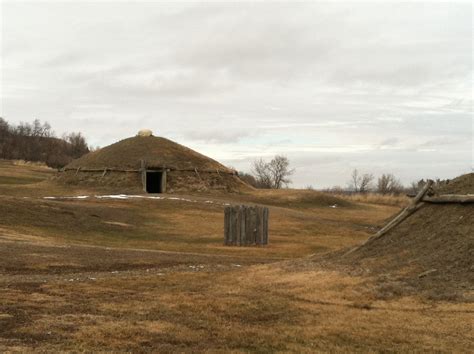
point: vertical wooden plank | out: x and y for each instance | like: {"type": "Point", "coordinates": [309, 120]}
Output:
{"type": "Point", "coordinates": [260, 224]}
{"type": "Point", "coordinates": [227, 226]}
{"type": "Point", "coordinates": [266, 214]}
{"type": "Point", "coordinates": [231, 227]}
{"type": "Point", "coordinates": [253, 226]}
{"type": "Point", "coordinates": [144, 180]}
{"type": "Point", "coordinates": [243, 224]}
{"type": "Point", "coordinates": [257, 225]}
{"type": "Point", "coordinates": [235, 235]}
{"type": "Point", "coordinates": [163, 181]}
{"type": "Point", "coordinates": [238, 221]}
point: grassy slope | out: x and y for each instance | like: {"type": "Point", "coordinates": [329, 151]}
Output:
{"type": "Point", "coordinates": [12, 173]}
{"type": "Point", "coordinates": [63, 297]}
{"type": "Point", "coordinates": [156, 151]}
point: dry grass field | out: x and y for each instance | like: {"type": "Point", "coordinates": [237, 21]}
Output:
{"type": "Point", "coordinates": [144, 275]}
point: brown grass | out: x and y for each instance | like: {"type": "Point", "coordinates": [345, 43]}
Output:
{"type": "Point", "coordinates": [399, 200]}
{"type": "Point", "coordinates": [263, 308]}
{"type": "Point", "coordinates": [72, 279]}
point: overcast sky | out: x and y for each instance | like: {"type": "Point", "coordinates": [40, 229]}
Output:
{"type": "Point", "coordinates": [334, 86]}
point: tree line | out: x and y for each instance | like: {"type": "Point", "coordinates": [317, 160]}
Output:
{"type": "Point", "coordinates": [387, 183]}
{"type": "Point", "coordinates": [275, 174]}
{"type": "Point", "coordinates": [37, 142]}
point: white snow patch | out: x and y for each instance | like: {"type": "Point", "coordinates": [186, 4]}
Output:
{"type": "Point", "coordinates": [127, 197]}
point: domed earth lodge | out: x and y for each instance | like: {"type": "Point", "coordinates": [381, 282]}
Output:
{"type": "Point", "coordinates": [151, 164]}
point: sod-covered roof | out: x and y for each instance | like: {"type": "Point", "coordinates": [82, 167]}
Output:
{"type": "Point", "coordinates": [432, 249]}
{"type": "Point", "coordinates": [461, 185]}
{"type": "Point", "coordinates": [156, 151]}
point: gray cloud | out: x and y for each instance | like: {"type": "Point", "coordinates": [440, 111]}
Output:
{"type": "Point", "coordinates": [332, 85]}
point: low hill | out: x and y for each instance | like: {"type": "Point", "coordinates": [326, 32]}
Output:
{"type": "Point", "coordinates": [157, 151]}
{"type": "Point", "coordinates": [461, 185]}
{"type": "Point", "coordinates": [431, 251]}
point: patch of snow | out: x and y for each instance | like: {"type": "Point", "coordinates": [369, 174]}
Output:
{"type": "Point", "coordinates": [127, 197]}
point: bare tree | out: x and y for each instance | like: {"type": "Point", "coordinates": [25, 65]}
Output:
{"type": "Point", "coordinates": [366, 183]}
{"type": "Point", "coordinates": [361, 183]}
{"type": "Point", "coordinates": [355, 180]}
{"type": "Point", "coordinates": [274, 174]}
{"type": "Point", "coordinates": [77, 144]}
{"type": "Point", "coordinates": [249, 179]}
{"type": "Point", "coordinates": [261, 172]}
{"type": "Point", "coordinates": [280, 171]}
{"type": "Point", "coordinates": [388, 183]}
{"type": "Point", "coordinates": [37, 142]}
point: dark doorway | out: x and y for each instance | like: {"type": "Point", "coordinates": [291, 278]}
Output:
{"type": "Point", "coordinates": [154, 182]}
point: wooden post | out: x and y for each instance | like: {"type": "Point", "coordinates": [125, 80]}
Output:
{"type": "Point", "coordinates": [227, 240]}
{"type": "Point", "coordinates": [143, 172]}
{"type": "Point", "coordinates": [265, 226]}
{"type": "Point", "coordinates": [233, 226]}
{"type": "Point", "coordinates": [245, 225]}
{"type": "Point", "coordinates": [450, 198]}
{"type": "Point", "coordinates": [415, 204]}
{"type": "Point", "coordinates": [163, 181]}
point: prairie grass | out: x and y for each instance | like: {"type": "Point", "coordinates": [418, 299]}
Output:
{"type": "Point", "coordinates": [153, 276]}
{"type": "Point", "coordinates": [399, 200]}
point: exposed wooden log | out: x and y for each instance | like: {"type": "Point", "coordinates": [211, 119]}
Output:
{"type": "Point", "coordinates": [265, 226]}
{"type": "Point", "coordinates": [227, 240]}
{"type": "Point", "coordinates": [405, 213]}
{"type": "Point", "coordinates": [112, 169]}
{"type": "Point", "coordinates": [80, 169]}
{"type": "Point", "coordinates": [449, 198]}
{"type": "Point", "coordinates": [233, 226]}
{"type": "Point", "coordinates": [197, 173]}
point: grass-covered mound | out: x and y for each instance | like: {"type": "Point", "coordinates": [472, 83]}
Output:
{"type": "Point", "coordinates": [431, 251]}
{"type": "Point", "coordinates": [156, 151]}
{"type": "Point", "coordinates": [461, 185]}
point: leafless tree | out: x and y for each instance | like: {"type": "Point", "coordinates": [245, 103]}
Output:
{"type": "Point", "coordinates": [366, 183]}
{"type": "Point", "coordinates": [280, 171]}
{"type": "Point", "coordinates": [37, 142]}
{"type": "Point", "coordinates": [274, 174]}
{"type": "Point", "coordinates": [77, 144]}
{"type": "Point", "coordinates": [388, 183]}
{"type": "Point", "coordinates": [361, 183]}
{"type": "Point", "coordinates": [261, 172]}
{"type": "Point", "coordinates": [249, 179]}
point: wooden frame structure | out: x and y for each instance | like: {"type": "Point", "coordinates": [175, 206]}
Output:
{"type": "Point", "coordinates": [144, 170]}
{"type": "Point", "coordinates": [425, 195]}
{"type": "Point", "coordinates": [245, 225]}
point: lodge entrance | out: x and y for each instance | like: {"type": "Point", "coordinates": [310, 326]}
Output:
{"type": "Point", "coordinates": [155, 182]}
